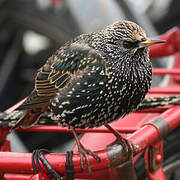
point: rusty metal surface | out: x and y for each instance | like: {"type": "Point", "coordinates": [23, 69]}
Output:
{"type": "Point", "coordinates": [153, 162]}
{"type": "Point", "coordinates": [125, 171]}
{"type": "Point", "coordinates": [116, 155]}
{"type": "Point", "coordinates": [120, 161]}
{"type": "Point", "coordinates": [154, 152]}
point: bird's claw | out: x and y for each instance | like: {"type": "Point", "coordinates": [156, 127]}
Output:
{"type": "Point", "coordinates": [84, 154]}
{"type": "Point", "coordinates": [127, 145]}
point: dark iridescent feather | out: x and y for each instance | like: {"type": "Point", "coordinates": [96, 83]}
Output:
{"type": "Point", "coordinates": [93, 79]}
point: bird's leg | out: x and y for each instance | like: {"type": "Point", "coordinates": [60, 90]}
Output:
{"type": "Point", "coordinates": [84, 152]}
{"type": "Point", "coordinates": [126, 144]}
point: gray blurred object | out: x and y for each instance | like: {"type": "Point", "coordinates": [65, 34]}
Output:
{"type": "Point", "coordinates": [158, 9]}
{"type": "Point", "coordinates": [16, 144]}
{"type": "Point", "coordinates": [93, 15]}
{"type": "Point", "coordinates": [21, 16]}
{"type": "Point", "coordinates": [137, 14]}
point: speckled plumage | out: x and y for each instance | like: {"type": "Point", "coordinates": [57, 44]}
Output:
{"type": "Point", "coordinates": [94, 79]}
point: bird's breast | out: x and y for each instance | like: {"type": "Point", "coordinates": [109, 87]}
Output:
{"type": "Point", "coordinates": [129, 85]}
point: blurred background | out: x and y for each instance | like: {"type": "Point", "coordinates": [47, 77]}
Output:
{"type": "Point", "coordinates": [30, 31]}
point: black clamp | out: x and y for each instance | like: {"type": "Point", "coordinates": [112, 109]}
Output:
{"type": "Point", "coordinates": [161, 125]}
{"type": "Point", "coordinates": [69, 166]}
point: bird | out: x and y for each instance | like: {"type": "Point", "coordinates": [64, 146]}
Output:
{"type": "Point", "coordinates": [92, 80]}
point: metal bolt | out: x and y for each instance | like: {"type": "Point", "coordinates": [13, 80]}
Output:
{"type": "Point", "coordinates": [158, 158]}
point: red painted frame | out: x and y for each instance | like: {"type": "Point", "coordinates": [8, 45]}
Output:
{"type": "Point", "coordinates": [135, 127]}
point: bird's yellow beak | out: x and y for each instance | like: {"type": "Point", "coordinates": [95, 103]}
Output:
{"type": "Point", "coordinates": [149, 42]}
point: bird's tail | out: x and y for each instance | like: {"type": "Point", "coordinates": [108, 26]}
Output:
{"type": "Point", "coordinates": [159, 101]}
{"type": "Point", "coordinates": [28, 119]}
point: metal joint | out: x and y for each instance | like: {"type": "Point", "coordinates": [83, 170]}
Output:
{"type": "Point", "coordinates": [154, 157]}
{"type": "Point", "coordinates": [122, 167]}
{"type": "Point", "coordinates": [161, 125]}
{"type": "Point", "coordinates": [116, 155]}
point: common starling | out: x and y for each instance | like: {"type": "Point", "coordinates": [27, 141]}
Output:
{"type": "Point", "coordinates": [93, 80]}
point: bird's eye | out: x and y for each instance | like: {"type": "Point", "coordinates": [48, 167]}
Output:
{"type": "Point", "coordinates": [128, 44]}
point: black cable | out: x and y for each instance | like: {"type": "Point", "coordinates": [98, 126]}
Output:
{"type": "Point", "coordinates": [39, 155]}
{"type": "Point", "coordinates": [69, 166]}
{"type": "Point", "coordinates": [33, 163]}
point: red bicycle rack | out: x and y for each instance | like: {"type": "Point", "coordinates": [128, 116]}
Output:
{"type": "Point", "coordinates": [145, 129]}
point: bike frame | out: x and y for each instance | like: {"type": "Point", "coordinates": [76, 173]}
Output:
{"type": "Point", "coordinates": [145, 129]}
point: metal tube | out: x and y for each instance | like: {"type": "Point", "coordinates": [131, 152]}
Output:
{"type": "Point", "coordinates": [148, 134]}
{"type": "Point", "coordinates": [164, 90]}
{"type": "Point", "coordinates": [17, 176]}
{"type": "Point", "coordinates": [172, 116]}
{"type": "Point", "coordinates": [49, 128]}
{"type": "Point", "coordinates": [11, 162]}
{"type": "Point", "coordinates": [170, 47]}
{"type": "Point", "coordinates": [161, 71]}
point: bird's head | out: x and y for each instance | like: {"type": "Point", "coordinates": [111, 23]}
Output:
{"type": "Point", "coordinates": [126, 37]}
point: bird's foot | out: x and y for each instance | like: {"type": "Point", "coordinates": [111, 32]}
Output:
{"type": "Point", "coordinates": [84, 154]}
{"type": "Point", "coordinates": [127, 145]}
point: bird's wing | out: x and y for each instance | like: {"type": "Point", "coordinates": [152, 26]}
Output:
{"type": "Point", "coordinates": [56, 74]}
{"type": "Point", "coordinates": [81, 100]}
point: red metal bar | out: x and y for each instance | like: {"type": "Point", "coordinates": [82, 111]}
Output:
{"type": "Point", "coordinates": [21, 162]}
{"type": "Point", "coordinates": [20, 177]}
{"type": "Point", "coordinates": [141, 136]}
{"type": "Point", "coordinates": [155, 110]}
{"type": "Point", "coordinates": [172, 116]}
{"type": "Point", "coordinates": [157, 175]}
{"type": "Point", "coordinates": [55, 2]}
{"type": "Point", "coordinates": [66, 130]}
{"type": "Point", "coordinates": [11, 162]}
{"type": "Point", "coordinates": [158, 71]}
{"type": "Point", "coordinates": [164, 90]}
{"type": "Point", "coordinates": [171, 46]}
{"type": "Point", "coordinates": [175, 79]}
